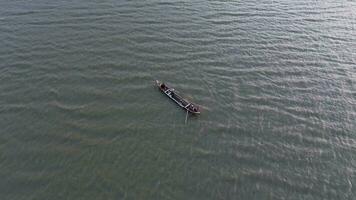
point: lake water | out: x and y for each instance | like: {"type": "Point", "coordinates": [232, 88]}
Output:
{"type": "Point", "coordinates": [80, 117]}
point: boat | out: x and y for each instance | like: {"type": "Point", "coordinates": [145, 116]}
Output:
{"type": "Point", "coordinates": [172, 94]}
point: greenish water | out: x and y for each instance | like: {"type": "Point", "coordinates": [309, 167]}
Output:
{"type": "Point", "coordinates": [81, 119]}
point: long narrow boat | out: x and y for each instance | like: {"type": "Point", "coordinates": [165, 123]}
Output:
{"type": "Point", "coordinates": [172, 94]}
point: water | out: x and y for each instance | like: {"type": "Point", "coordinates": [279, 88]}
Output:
{"type": "Point", "coordinates": [80, 118]}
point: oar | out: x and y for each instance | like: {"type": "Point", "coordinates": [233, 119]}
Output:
{"type": "Point", "coordinates": [186, 117]}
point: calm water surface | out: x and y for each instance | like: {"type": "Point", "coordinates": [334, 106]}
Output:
{"type": "Point", "coordinates": [80, 118]}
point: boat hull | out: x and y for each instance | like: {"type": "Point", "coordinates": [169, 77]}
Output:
{"type": "Point", "coordinates": [173, 95]}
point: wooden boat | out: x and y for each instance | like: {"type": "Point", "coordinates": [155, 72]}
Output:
{"type": "Point", "coordinates": [172, 94]}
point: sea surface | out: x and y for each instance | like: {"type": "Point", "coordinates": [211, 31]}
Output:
{"type": "Point", "coordinates": [80, 118]}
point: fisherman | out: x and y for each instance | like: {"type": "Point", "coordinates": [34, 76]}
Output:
{"type": "Point", "coordinates": [163, 86]}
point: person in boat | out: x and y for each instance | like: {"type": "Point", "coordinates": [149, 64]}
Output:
{"type": "Point", "coordinates": [163, 86]}
{"type": "Point", "coordinates": [193, 108]}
